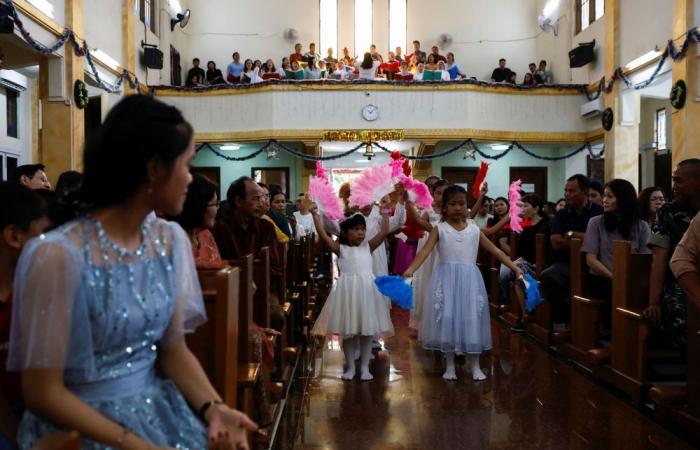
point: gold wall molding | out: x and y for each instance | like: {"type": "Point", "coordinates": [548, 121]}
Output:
{"type": "Point", "coordinates": [165, 92]}
{"type": "Point", "coordinates": [423, 134]}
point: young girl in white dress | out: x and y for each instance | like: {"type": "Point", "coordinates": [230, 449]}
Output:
{"type": "Point", "coordinates": [456, 314]}
{"type": "Point", "coordinates": [354, 309]}
{"type": "Point", "coordinates": [429, 219]}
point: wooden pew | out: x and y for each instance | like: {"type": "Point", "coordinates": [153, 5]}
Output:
{"type": "Point", "coordinates": [624, 364]}
{"type": "Point", "coordinates": [59, 440]}
{"type": "Point", "coordinates": [215, 343]}
{"type": "Point", "coordinates": [586, 312]}
{"type": "Point", "coordinates": [680, 405]}
{"type": "Point", "coordinates": [295, 282]}
{"type": "Point", "coordinates": [284, 293]}
{"type": "Point", "coordinates": [541, 328]}
{"type": "Point", "coordinates": [261, 277]}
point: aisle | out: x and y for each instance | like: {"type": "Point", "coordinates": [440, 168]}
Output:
{"type": "Point", "coordinates": [532, 400]}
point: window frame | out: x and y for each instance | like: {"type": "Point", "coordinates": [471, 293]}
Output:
{"type": "Point", "coordinates": [592, 13]}
{"type": "Point", "coordinates": [657, 129]}
{"type": "Point", "coordinates": [405, 26]}
{"type": "Point", "coordinates": [359, 54]}
{"type": "Point", "coordinates": [150, 6]}
{"type": "Point", "coordinates": [323, 49]}
{"type": "Point", "coordinates": [12, 124]}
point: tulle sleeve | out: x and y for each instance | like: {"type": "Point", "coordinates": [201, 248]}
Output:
{"type": "Point", "coordinates": [189, 307]}
{"type": "Point", "coordinates": [50, 320]}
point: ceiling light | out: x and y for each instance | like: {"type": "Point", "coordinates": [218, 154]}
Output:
{"type": "Point", "coordinates": [364, 161]}
{"type": "Point", "coordinates": [644, 59]}
{"type": "Point", "coordinates": [500, 147]}
{"type": "Point", "coordinates": [230, 147]}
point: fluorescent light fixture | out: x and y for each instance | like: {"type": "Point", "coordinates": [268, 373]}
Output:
{"type": "Point", "coordinates": [230, 147]}
{"type": "Point", "coordinates": [645, 58]}
{"type": "Point", "coordinates": [43, 6]}
{"type": "Point", "coordinates": [499, 147]}
{"type": "Point", "coordinates": [550, 8]}
{"type": "Point", "coordinates": [105, 58]}
{"type": "Point", "coordinates": [363, 161]}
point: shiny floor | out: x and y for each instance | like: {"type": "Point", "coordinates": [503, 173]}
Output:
{"type": "Point", "coordinates": [531, 400]}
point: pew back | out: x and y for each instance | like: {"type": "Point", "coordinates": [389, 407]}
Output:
{"type": "Point", "coordinates": [245, 307]}
{"type": "Point", "coordinates": [261, 276]}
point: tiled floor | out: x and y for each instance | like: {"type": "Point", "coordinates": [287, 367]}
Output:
{"type": "Point", "coordinates": [531, 400]}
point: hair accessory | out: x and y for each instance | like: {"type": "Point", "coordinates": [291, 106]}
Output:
{"type": "Point", "coordinates": [514, 200]}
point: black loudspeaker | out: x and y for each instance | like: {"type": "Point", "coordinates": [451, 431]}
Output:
{"type": "Point", "coordinates": [582, 55]}
{"type": "Point", "coordinates": [152, 58]}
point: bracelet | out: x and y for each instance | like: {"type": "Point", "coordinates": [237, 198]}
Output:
{"type": "Point", "coordinates": [205, 407]}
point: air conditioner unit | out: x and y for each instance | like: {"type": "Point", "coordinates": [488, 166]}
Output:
{"type": "Point", "coordinates": [593, 108]}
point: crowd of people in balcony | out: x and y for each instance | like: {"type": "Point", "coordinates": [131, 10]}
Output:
{"type": "Point", "coordinates": [311, 65]}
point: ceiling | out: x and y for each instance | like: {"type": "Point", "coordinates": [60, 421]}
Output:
{"type": "Point", "coordinates": [17, 53]}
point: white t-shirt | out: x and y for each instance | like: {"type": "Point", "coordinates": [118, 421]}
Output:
{"type": "Point", "coordinates": [305, 223]}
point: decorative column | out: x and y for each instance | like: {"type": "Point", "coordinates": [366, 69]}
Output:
{"type": "Point", "coordinates": [129, 40]}
{"type": "Point", "coordinates": [62, 136]}
{"type": "Point", "coordinates": [684, 122]}
{"type": "Point", "coordinates": [622, 140]}
{"type": "Point", "coordinates": [423, 169]}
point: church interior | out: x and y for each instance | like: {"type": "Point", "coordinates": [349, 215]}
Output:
{"type": "Point", "coordinates": [349, 224]}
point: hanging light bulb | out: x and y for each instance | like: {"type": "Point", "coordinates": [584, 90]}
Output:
{"type": "Point", "coordinates": [272, 152]}
{"type": "Point", "coordinates": [469, 151]}
{"type": "Point", "coordinates": [369, 151]}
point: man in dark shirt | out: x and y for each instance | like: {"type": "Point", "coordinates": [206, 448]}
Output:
{"type": "Point", "coordinates": [436, 54]}
{"type": "Point", "coordinates": [500, 73]}
{"type": "Point", "coordinates": [242, 232]}
{"type": "Point", "coordinates": [570, 222]}
{"type": "Point", "coordinates": [667, 301]}
{"type": "Point", "coordinates": [195, 76]}
{"type": "Point", "coordinates": [417, 52]}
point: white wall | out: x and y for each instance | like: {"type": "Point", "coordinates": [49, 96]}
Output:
{"type": "Point", "coordinates": [103, 27]}
{"type": "Point", "coordinates": [644, 24]}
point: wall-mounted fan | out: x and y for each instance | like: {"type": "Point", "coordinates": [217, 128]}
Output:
{"type": "Point", "coordinates": [290, 35]}
{"type": "Point", "coordinates": [182, 18]}
{"type": "Point", "coordinates": [444, 40]}
{"type": "Point", "coordinates": [546, 24]}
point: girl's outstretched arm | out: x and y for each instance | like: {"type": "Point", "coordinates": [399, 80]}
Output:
{"type": "Point", "coordinates": [377, 240]}
{"type": "Point", "coordinates": [422, 221]}
{"type": "Point", "coordinates": [425, 251]}
{"type": "Point", "coordinates": [498, 253]}
{"type": "Point", "coordinates": [330, 243]}
{"type": "Point", "coordinates": [490, 231]}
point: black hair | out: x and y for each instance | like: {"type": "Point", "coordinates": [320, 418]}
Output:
{"type": "Point", "coordinates": [367, 61]}
{"type": "Point", "coordinates": [439, 183]}
{"type": "Point", "coordinates": [543, 62]}
{"type": "Point", "coordinates": [532, 64]}
{"type": "Point", "coordinates": [199, 194]}
{"type": "Point", "coordinates": [195, 59]}
{"type": "Point", "coordinates": [20, 205]}
{"type": "Point", "coordinates": [237, 189]}
{"type": "Point", "coordinates": [431, 177]}
{"type": "Point", "coordinates": [502, 59]}
{"type": "Point", "coordinates": [644, 199]}
{"type": "Point", "coordinates": [69, 181]}
{"type": "Point", "coordinates": [694, 162]}
{"type": "Point", "coordinates": [138, 130]}
{"type": "Point", "coordinates": [276, 190]}
{"type": "Point", "coordinates": [451, 191]}
{"type": "Point", "coordinates": [28, 170]}
{"type": "Point", "coordinates": [559, 201]}
{"type": "Point", "coordinates": [416, 42]}
{"type": "Point", "coordinates": [627, 214]}
{"type": "Point", "coordinates": [503, 199]}
{"type": "Point", "coordinates": [596, 186]}
{"type": "Point", "coordinates": [583, 182]}
{"type": "Point", "coordinates": [537, 202]}
{"type": "Point", "coordinates": [211, 62]}
{"type": "Point", "coordinates": [348, 224]}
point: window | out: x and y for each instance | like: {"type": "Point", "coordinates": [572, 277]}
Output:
{"type": "Point", "coordinates": [329, 27]}
{"type": "Point", "coordinates": [8, 165]}
{"type": "Point", "coordinates": [587, 12]}
{"type": "Point", "coordinates": [660, 129]}
{"type": "Point", "coordinates": [11, 99]}
{"type": "Point", "coordinates": [147, 13]}
{"type": "Point", "coordinates": [363, 27]}
{"type": "Point", "coordinates": [397, 25]}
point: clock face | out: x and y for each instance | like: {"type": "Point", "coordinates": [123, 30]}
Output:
{"type": "Point", "coordinates": [370, 112]}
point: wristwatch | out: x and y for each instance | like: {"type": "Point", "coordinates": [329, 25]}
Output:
{"type": "Point", "coordinates": [569, 234]}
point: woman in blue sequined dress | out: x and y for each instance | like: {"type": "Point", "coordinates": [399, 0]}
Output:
{"type": "Point", "coordinates": [103, 296]}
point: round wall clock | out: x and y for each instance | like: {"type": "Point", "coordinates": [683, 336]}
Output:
{"type": "Point", "coordinates": [678, 94]}
{"type": "Point", "coordinates": [607, 119]}
{"type": "Point", "coordinates": [370, 113]}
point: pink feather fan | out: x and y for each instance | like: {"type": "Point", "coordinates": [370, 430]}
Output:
{"type": "Point", "coordinates": [514, 199]}
{"type": "Point", "coordinates": [418, 192]}
{"type": "Point", "coordinates": [372, 185]}
{"type": "Point", "coordinates": [321, 192]}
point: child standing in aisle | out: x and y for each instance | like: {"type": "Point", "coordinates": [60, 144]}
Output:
{"type": "Point", "coordinates": [455, 313]}
{"type": "Point", "coordinates": [354, 310]}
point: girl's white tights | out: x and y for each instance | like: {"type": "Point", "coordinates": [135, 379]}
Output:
{"type": "Point", "coordinates": [350, 347]}
{"type": "Point", "coordinates": [451, 374]}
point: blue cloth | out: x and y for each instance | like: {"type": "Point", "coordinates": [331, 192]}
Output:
{"type": "Point", "coordinates": [453, 71]}
{"type": "Point", "coordinates": [396, 288]}
{"type": "Point", "coordinates": [100, 312]}
{"type": "Point", "coordinates": [234, 69]}
{"type": "Point", "coordinates": [532, 292]}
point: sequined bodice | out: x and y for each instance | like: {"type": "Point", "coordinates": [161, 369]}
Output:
{"type": "Point", "coordinates": [458, 246]}
{"type": "Point", "coordinates": [355, 260]}
{"type": "Point", "coordinates": [130, 300]}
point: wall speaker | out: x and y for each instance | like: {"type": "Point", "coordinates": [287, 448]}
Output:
{"type": "Point", "coordinates": [152, 58]}
{"type": "Point", "coordinates": [582, 55]}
